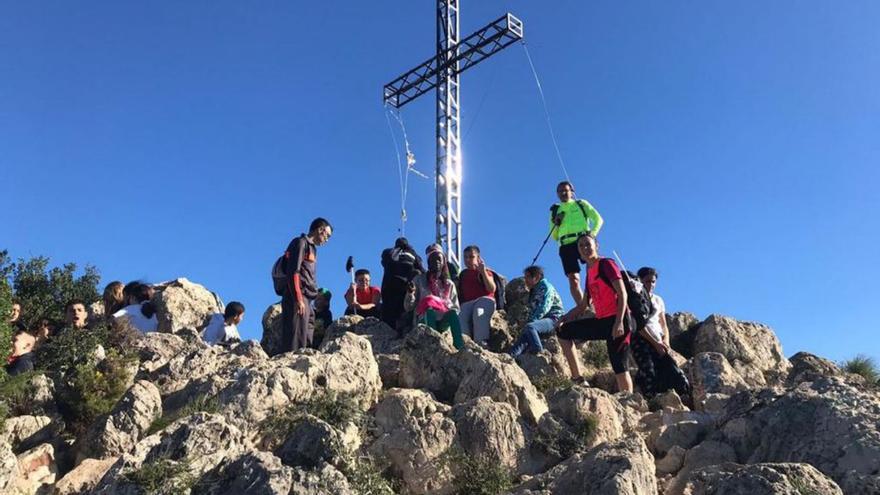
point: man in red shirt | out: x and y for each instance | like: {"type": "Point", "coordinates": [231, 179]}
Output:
{"type": "Point", "coordinates": [611, 324]}
{"type": "Point", "coordinates": [476, 293]}
{"type": "Point", "coordinates": [362, 298]}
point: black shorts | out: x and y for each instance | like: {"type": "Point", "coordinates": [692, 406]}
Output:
{"type": "Point", "coordinates": [600, 329]}
{"type": "Point", "coordinates": [571, 258]}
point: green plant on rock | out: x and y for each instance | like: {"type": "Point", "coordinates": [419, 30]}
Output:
{"type": "Point", "coordinates": [203, 403]}
{"type": "Point", "coordinates": [595, 354]}
{"type": "Point", "coordinates": [365, 477]}
{"type": "Point", "coordinates": [5, 307]}
{"type": "Point", "coordinates": [336, 409]}
{"type": "Point", "coordinates": [94, 389]}
{"type": "Point", "coordinates": [803, 487]}
{"type": "Point", "coordinates": [864, 366]}
{"type": "Point", "coordinates": [162, 476]}
{"type": "Point", "coordinates": [568, 440]}
{"type": "Point", "coordinates": [552, 383]}
{"type": "Point", "coordinates": [477, 474]}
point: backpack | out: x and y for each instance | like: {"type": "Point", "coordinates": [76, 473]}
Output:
{"type": "Point", "coordinates": [500, 286]}
{"type": "Point", "coordinates": [279, 278]}
{"type": "Point", "coordinates": [637, 299]}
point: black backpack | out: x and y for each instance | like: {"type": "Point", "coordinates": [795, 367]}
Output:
{"type": "Point", "coordinates": [555, 209]}
{"type": "Point", "coordinates": [637, 299]}
{"type": "Point", "coordinates": [279, 279]}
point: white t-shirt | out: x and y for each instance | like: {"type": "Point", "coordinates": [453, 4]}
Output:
{"type": "Point", "coordinates": [135, 317]}
{"type": "Point", "coordinates": [653, 326]}
{"type": "Point", "coordinates": [218, 331]}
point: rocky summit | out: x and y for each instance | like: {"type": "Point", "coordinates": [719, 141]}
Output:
{"type": "Point", "coordinates": [370, 412]}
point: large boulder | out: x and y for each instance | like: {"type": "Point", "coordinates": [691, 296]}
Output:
{"type": "Point", "coordinates": [156, 349]}
{"type": "Point", "coordinates": [758, 479]}
{"type": "Point", "coordinates": [752, 349]}
{"type": "Point", "coordinates": [806, 367]}
{"type": "Point", "coordinates": [326, 480]}
{"type": "Point", "coordinates": [182, 304]}
{"type": "Point", "coordinates": [490, 430]}
{"type": "Point", "coordinates": [710, 373]}
{"type": "Point", "coordinates": [311, 443]}
{"type": "Point", "coordinates": [119, 431]}
{"type": "Point", "coordinates": [413, 435]}
{"type": "Point", "coordinates": [254, 473]}
{"type": "Point", "coordinates": [8, 468]}
{"type": "Point", "coordinates": [622, 467]}
{"type": "Point", "coordinates": [84, 477]}
{"type": "Point", "coordinates": [681, 327]}
{"type": "Point", "coordinates": [516, 304]}
{"type": "Point", "coordinates": [36, 468]}
{"type": "Point", "coordinates": [382, 338]}
{"type": "Point", "coordinates": [25, 432]}
{"type": "Point", "coordinates": [827, 423]}
{"type": "Point", "coordinates": [196, 443]}
{"type": "Point", "coordinates": [272, 338]}
{"type": "Point", "coordinates": [576, 405]}
{"type": "Point", "coordinates": [427, 361]}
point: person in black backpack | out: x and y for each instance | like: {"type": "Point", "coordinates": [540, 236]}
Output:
{"type": "Point", "coordinates": [612, 323]}
{"type": "Point", "coordinates": [400, 265]}
{"type": "Point", "coordinates": [658, 372]}
{"type": "Point", "coordinates": [301, 287]}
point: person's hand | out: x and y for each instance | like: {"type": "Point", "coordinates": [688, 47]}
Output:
{"type": "Point", "coordinates": [300, 308]}
{"type": "Point", "coordinates": [618, 330]}
{"type": "Point", "coordinates": [558, 219]}
{"type": "Point", "coordinates": [661, 348]}
{"type": "Point", "coordinates": [353, 287]}
{"type": "Point", "coordinates": [481, 265]}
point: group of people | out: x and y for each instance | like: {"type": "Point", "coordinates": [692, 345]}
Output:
{"type": "Point", "coordinates": [126, 306]}
{"type": "Point", "coordinates": [442, 297]}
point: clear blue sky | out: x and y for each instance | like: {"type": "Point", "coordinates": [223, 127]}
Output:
{"type": "Point", "coordinates": [733, 145]}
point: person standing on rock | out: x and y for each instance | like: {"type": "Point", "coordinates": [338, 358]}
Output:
{"type": "Point", "coordinates": [612, 322]}
{"type": "Point", "coordinates": [569, 219]}
{"type": "Point", "coordinates": [658, 372]}
{"type": "Point", "coordinates": [400, 266]}
{"type": "Point", "coordinates": [433, 297]}
{"type": "Point", "coordinates": [300, 270]}
{"type": "Point", "coordinates": [545, 307]}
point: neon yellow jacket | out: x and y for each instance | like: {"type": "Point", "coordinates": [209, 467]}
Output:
{"type": "Point", "coordinates": [575, 221]}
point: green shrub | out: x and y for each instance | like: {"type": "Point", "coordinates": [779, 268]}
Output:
{"type": "Point", "coordinates": [864, 366]}
{"type": "Point", "coordinates": [162, 476]}
{"type": "Point", "coordinates": [5, 308]}
{"type": "Point", "coordinates": [478, 475]}
{"type": "Point", "coordinates": [551, 383]}
{"type": "Point", "coordinates": [365, 477]}
{"type": "Point", "coordinates": [338, 410]}
{"type": "Point", "coordinates": [43, 292]}
{"type": "Point", "coordinates": [595, 354]}
{"type": "Point", "coordinates": [565, 442]}
{"type": "Point", "coordinates": [93, 390]}
{"type": "Point", "coordinates": [203, 403]}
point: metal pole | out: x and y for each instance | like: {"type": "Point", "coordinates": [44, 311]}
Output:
{"type": "Point", "coordinates": [448, 169]}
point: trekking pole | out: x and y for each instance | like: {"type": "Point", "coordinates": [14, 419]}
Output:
{"type": "Point", "coordinates": [544, 244]}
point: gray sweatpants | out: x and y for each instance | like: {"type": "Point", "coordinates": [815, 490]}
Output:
{"type": "Point", "coordinates": [475, 317]}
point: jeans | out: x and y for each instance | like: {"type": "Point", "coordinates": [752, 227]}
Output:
{"type": "Point", "coordinates": [448, 321]}
{"type": "Point", "coordinates": [530, 336]}
{"type": "Point", "coordinates": [479, 311]}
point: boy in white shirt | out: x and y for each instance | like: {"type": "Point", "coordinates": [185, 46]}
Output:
{"type": "Point", "coordinates": [222, 328]}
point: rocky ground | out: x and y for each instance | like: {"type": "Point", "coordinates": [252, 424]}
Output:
{"type": "Point", "coordinates": [371, 413]}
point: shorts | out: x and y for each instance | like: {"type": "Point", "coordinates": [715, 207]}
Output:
{"type": "Point", "coordinates": [571, 258]}
{"type": "Point", "coordinates": [600, 329]}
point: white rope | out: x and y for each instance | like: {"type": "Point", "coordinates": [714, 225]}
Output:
{"type": "Point", "coordinates": [546, 111]}
{"type": "Point", "coordinates": [399, 174]}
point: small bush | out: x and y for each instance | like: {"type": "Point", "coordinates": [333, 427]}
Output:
{"type": "Point", "coordinates": [162, 476]}
{"type": "Point", "coordinates": [803, 487]}
{"type": "Point", "coordinates": [203, 403]}
{"type": "Point", "coordinates": [478, 475]}
{"type": "Point", "coordinates": [366, 478]}
{"type": "Point", "coordinates": [567, 441]}
{"type": "Point", "coordinates": [94, 389]}
{"type": "Point", "coordinates": [595, 354]}
{"type": "Point", "coordinates": [338, 410]}
{"type": "Point", "coordinates": [552, 383]}
{"type": "Point", "coordinates": [864, 366]}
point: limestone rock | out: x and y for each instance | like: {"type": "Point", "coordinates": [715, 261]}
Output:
{"type": "Point", "coordinates": [684, 434]}
{"type": "Point", "coordinates": [549, 361]}
{"type": "Point", "coordinates": [8, 468]}
{"type": "Point", "coordinates": [254, 473]}
{"type": "Point", "coordinates": [576, 404]}
{"type": "Point", "coordinates": [501, 336]}
{"type": "Point", "coordinates": [118, 432]}
{"type": "Point", "coordinates": [681, 331]}
{"type": "Point", "coordinates": [671, 462]}
{"type": "Point", "coordinates": [751, 349]}
{"type": "Point", "coordinates": [622, 467]}
{"type": "Point", "coordinates": [806, 367]}
{"type": "Point", "coordinates": [182, 304]}
{"type": "Point", "coordinates": [710, 373]}
{"type": "Point", "coordinates": [272, 339]}
{"type": "Point", "coordinates": [516, 304]}
{"type": "Point", "coordinates": [36, 468]}
{"type": "Point", "coordinates": [492, 430]}
{"type": "Point", "coordinates": [413, 433]}
{"type": "Point", "coordinates": [827, 423]}
{"type": "Point", "coordinates": [157, 349]}
{"type": "Point", "coordinates": [326, 480]}
{"type": "Point", "coordinates": [311, 443]}
{"type": "Point", "coordinates": [759, 479]}
{"type": "Point", "coordinates": [427, 361]}
{"type": "Point", "coordinates": [389, 370]}
{"type": "Point", "coordinates": [382, 338]}
{"type": "Point", "coordinates": [84, 477]}
{"type": "Point", "coordinates": [25, 432]}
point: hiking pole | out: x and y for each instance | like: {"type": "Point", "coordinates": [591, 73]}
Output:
{"type": "Point", "coordinates": [544, 244]}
